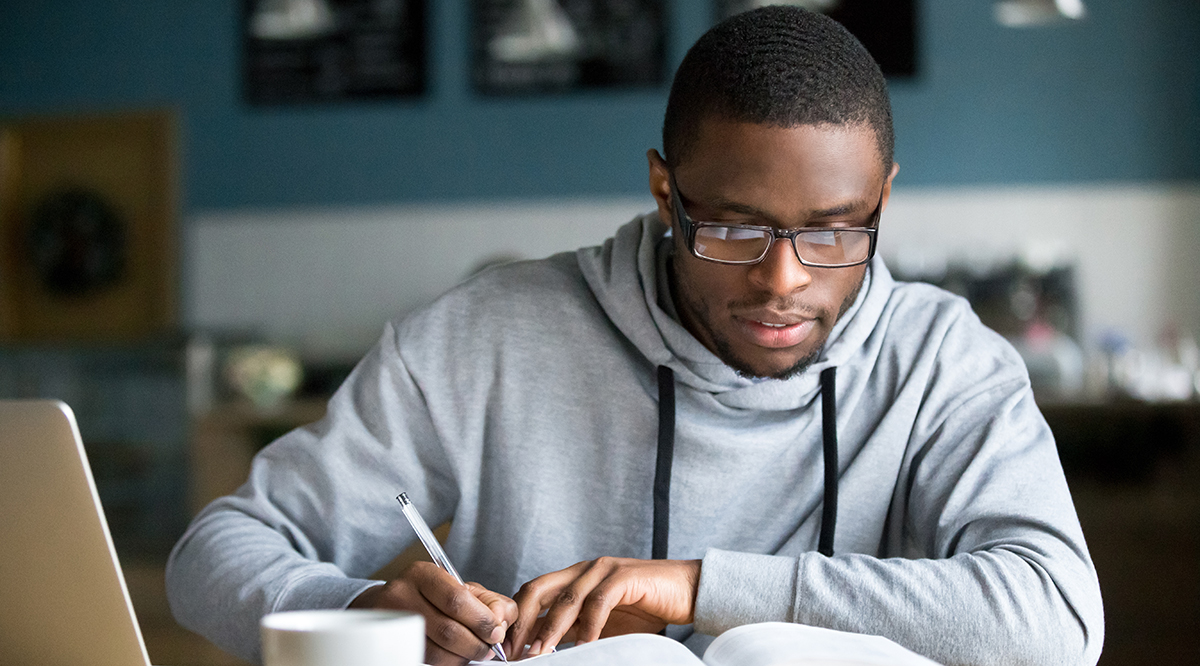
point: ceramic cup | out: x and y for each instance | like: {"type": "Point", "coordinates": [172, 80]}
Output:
{"type": "Point", "coordinates": [341, 637]}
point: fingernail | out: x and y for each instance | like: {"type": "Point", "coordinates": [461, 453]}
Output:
{"type": "Point", "coordinates": [498, 633]}
{"type": "Point", "coordinates": [535, 648]}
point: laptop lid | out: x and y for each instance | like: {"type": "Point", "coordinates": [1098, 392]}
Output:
{"type": "Point", "coordinates": [64, 600]}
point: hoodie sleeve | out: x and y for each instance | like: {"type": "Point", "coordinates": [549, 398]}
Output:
{"type": "Point", "coordinates": [992, 567]}
{"type": "Point", "coordinates": [297, 535]}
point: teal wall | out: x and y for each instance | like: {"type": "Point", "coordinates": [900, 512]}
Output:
{"type": "Point", "coordinates": [1115, 97]}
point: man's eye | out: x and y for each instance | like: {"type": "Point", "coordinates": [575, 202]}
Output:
{"type": "Point", "coordinates": [738, 233]}
{"type": "Point", "coordinates": [730, 233]}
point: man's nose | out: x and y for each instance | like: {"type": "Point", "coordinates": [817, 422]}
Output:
{"type": "Point", "coordinates": [780, 272]}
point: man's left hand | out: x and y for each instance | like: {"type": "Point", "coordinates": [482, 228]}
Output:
{"type": "Point", "coordinates": [603, 597]}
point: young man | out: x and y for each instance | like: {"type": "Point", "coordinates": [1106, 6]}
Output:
{"type": "Point", "coordinates": [733, 385]}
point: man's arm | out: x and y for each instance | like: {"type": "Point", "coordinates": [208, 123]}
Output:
{"type": "Point", "coordinates": [995, 569]}
{"type": "Point", "coordinates": [317, 517]}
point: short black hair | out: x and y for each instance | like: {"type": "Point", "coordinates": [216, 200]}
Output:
{"type": "Point", "coordinates": [781, 66]}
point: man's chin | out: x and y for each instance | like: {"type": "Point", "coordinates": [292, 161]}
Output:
{"type": "Point", "coordinates": [768, 368]}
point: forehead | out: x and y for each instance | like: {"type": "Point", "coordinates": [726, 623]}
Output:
{"type": "Point", "coordinates": [819, 164]}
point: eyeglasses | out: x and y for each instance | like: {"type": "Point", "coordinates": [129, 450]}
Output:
{"type": "Point", "coordinates": [816, 247]}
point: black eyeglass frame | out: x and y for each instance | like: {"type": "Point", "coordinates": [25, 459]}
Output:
{"type": "Point", "coordinates": [690, 227]}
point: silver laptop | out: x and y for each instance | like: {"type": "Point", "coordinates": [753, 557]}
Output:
{"type": "Point", "coordinates": [63, 600]}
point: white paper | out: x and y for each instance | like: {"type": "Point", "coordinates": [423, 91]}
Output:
{"type": "Point", "coordinates": [786, 644]}
{"type": "Point", "coordinates": [628, 650]}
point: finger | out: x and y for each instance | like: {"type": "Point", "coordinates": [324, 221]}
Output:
{"type": "Point", "coordinates": [462, 623]}
{"type": "Point", "coordinates": [594, 613]}
{"type": "Point", "coordinates": [532, 599]}
{"type": "Point", "coordinates": [449, 635]}
{"type": "Point", "coordinates": [436, 655]}
{"type": "Point", "coordinates": [564, 611]}
{"type": "Point", "coordinates": [568, 637]}
{"type": "Point", "coordinates": [529, 606]}
{"type": "Point", "coordinates": [510, 641]}
{"type": "Point", "coordinates": [438, 627]}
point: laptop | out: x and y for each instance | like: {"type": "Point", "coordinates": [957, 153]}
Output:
{"type": "Point", "coordinates": [63, 600]}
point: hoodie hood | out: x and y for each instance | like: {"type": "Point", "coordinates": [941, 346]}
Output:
{"type": "Point", "coordinates": [628, 276]}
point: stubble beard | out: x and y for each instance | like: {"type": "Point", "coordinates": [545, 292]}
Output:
{"type": "Point", "coordinates": [702, 314]}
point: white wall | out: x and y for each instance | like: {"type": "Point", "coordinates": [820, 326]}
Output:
{"type": "Point", "coordinates": [326, 280]}
{"type": "Point", "coordinates": [1135, 246]}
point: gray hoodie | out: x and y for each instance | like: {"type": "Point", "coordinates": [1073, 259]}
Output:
{"type": "Point", "coordinates": [523, 405]}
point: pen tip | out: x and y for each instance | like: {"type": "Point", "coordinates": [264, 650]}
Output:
{"type": "Point", "coordinates": [403, 499]}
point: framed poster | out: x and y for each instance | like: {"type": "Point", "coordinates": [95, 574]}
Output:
{"type": "Point", "coordinates": [888, 28]}
{"type": "Point", "coordinates": [298, 51]}
{"type": "Point", "coordinates": [87, 228]}
{"type": "Point", "coordinates": [538, 46]}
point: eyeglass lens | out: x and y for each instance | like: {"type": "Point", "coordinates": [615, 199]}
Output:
{"type": "Point", "coordinates": [831, 247]}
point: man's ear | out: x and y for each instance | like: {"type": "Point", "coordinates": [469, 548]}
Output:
{"type": "Point", "coordinates": [660, 185]}
{"type": "Point", "coordinates": [887, 186]}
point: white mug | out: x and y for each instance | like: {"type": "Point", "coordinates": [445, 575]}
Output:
{"type": "Point", "coordinates": [341, 637]}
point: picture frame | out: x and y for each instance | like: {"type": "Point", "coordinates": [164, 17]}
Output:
{"type": "Point", "coordinates": [887, 28]}
{"type": "Point", "coordinates": [559, 46]}
{"type": "Point", "coordinates": [313, 51]}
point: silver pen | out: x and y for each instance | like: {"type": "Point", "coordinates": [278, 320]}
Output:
{"type": "Point", "coordinates": [435, 551]}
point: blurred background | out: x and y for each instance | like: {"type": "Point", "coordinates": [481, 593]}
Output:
{"type": "Point", "coordinates": [209, 209]}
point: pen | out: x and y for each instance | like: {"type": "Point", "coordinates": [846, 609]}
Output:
{"type": "Point", "coordinates": [435, 551]}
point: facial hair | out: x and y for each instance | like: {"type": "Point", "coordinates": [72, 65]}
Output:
{"type": "Point", "coordinates": [702, 314]}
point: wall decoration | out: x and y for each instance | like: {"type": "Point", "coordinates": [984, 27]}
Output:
{"type": "Point", "coordinates": [299, 51]}
{"type": "Point", "coordinates": [529, 46]}
{"type": "Point", "coordinates": [87, 228]}
{"type": "Point", "coordinates": [888, 28]}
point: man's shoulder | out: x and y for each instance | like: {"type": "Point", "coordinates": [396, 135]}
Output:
{"type": "Point", "coordinates": [929, 312]}
{"type": "Point", "coordinates": [942, 327]}
{"type": "Point", "coordinates": [518, 284]}
{"type": "Point", "coordinates": [507, 297]}
{"type": "Point", "coordinates": [921, 300]}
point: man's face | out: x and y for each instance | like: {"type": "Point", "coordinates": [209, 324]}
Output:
{"type": "Point", "coordinates": [769, 319]}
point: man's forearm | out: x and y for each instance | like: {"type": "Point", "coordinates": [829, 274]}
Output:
{"type": "Point", "coordinates": [988, 607]}
{"type": "Point", "coordinates": [230, 569]}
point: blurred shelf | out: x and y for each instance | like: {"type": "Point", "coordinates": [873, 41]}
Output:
{"type": "Point", "coordinates": [1122, 440]}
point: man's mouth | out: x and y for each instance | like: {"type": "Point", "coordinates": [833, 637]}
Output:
{"type": "Point", "coordinates": [776, 332]}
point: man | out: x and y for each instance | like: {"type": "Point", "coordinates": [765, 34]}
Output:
{"type": "Point", "coordinates": [732, 382]}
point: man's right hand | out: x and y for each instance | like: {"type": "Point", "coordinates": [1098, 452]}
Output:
{"type": "Point", "coordinates": [460, 622]}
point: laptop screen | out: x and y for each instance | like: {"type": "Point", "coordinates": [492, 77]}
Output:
{"type": "Point", "coordinates": [65, 600]}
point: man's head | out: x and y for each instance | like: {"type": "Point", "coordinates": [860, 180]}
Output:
{"type": "Point", "coordinates": [777, 118]}
{"type": "Point", "coordinates": [779, 66]}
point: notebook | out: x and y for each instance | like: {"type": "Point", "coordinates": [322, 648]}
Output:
{"type": "Point", "coordinates": [762, 644]}
{"type": "Point", "coordinates": [64, 597]}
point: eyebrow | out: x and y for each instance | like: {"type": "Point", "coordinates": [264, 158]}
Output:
{"type": "Point", "coordinates": [724, 204]}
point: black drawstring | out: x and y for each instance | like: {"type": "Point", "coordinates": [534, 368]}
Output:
{"type": "Point", "coordinates": [662, 467]}
{"type": "Point", "coordinates": [666, 454]}
{"type": "Point", "coordinates": [829, 440]}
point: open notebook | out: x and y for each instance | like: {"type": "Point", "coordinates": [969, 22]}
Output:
{"type": "Point", "coordinates": [64, 600]}
{"type": "Point", "coordinates": [765, 644]}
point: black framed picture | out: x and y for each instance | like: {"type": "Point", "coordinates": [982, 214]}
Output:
{"type": "Point", "coordinates": [540, 46]}
{"type": "Point", "coordinates": [299, 51]}
{"type": "Point", "coordinates": [888, 28]}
